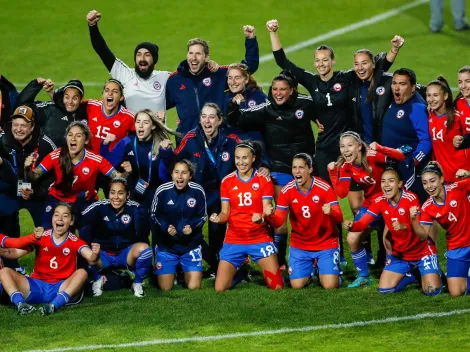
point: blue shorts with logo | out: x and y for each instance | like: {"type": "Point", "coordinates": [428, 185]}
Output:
{"type": "Point", "coordinates": [236, 254]}
{"type": "Point", "coordinates": [378, 222]}
{"type": "Point", "coordinates": [114, 260]}
{"type": "Point", "coordinates": [166, 262]}
{"type": "Point", "coordinates": [301, 262]}
{"type": "Point", "coordinates": [458, 262]}
{"type": "Point", "coordinates": [42, 292]}
{"type": "Point", "coordinates": [427, 265]}
{"type": "Point", "coordinates": [280, 178]}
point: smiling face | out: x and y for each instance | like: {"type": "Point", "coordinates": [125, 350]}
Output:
{"type": "Point", "coordinates": [244, 160]}
{"type": "Point", "coordinates": [76, 140]}
{"type": "Point", "coordinates": [390, 185]}
{"type": "Point", "coordinates": [236, 81]}
{"type": "Point", "coordinates": [72, 99]}
{"type": "Point", "coordinates": [143, 126]}
{"type": "Point", "coordinates": [323, 62]}
{"type": "Point", "coordinates": [181, 175]}
{"type": "Point", "coordinates": [301, 172]}
{"type": "Point", "coordinates": [61, 220]}
{"type": "Point", "coordinates": [117, 195]}
{"type": "Point", "coordinates": [143, 60]}
{"type": "Point", "coordinates": [433, 184]}
{"type": "Point", "coordinates": [350, 149]}
{"type": "Point", "coordinates": [364, 66]}
{"type": "Point", "coordinates": [281, 92]}
{"type": "Point", "coordinates": [21, 129]}
{"type": "Point", "coordinates": [210, 122]}
{"type": "Point", "coordinates": [436, 98]}
{"type": "Point", "coordinates": [464, 84]}
{"type": "Point", "coordinates": [111, 97]}
{"type": "Point", "coordinates": [402, 88]}
{"type": "Point", "coordinates": [196, 58]}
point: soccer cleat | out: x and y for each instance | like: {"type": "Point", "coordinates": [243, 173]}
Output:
{"type": "Point", "coordinates": [360, 281]}
{"type": "Point", "coordinates": [25, 308]}
{"type": "Point", "coordinates": [138, 290]}
{"type": "Point", "coordinates": [208, 274]}
{"type": "Point", "coordinates": [370, 258]}
{"type": "Point", "coordinates": [47, 309]}
{"type": "Point", "coordinates": [21, 270]}
{"type": "Point", "coordinates": [97, 286]}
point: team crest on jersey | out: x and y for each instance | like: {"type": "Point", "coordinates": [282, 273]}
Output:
{"type": "Point", "coordinates": [299, 114]}
{"type": "Point", "coordinates": [400, 114]}
{"type": "Point", "coordinates": [225, 156]}
{"type": "Point", "coordinates": [316, 199]}
{"type": "Point", "coordinates": [116, 124]}
{"type": "Point", "coordinates": [125, 219]}
{"type": "Point", "coordinates": [85, 122]}
{"type": "Point", "coordinates": [207, 81]}
{"type": "Point", "coordinates": [48, 209]}
{"type": "Point", "coordinates": [251, 103]}
{"type": "Point", "coordinates": [380, 90]}
{"type": "Point", "coordinates": [66, 251]}
{"type": "Point", "coordinates": [191, 202]}
{"type": "Point", "coordinates": [401, 211]}
{"type": "Point", "coordinates": [158, 265]}
{"type": "Point", "coordinates": [255, 186]}
{"type": "Point", "coordinates": [337, 87]}
{"type": "Point", "coordinates": [453, 203]}
{"type": "Point", "coordinates": [154, 157]}
{"type": "Point", "coordinates": [157, 85]}
{"type": "Point", "coordinates": [86, 171]}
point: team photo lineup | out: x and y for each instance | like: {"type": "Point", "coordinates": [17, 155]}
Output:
{"type": "Point", "coordinates": [246, 177]}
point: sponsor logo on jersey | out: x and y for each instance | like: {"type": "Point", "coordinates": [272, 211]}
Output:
{"type": "Point", "coordinates": [48, 209]}
{"type": "Point", "coordinates": [255, 186]}
{"type": "Point", "coordinates": [235, 188]}
{"type": "Point", "coordinates": [251, 103]}
{"type": "Point", "coordinates": [453, 203]}
{"type": "Point", "coordinates": [106, 218]}
{"type": "Point", "coordinates": [157, 85]}
{"type": "Point", "coordinates": [45, 249]}
{"type": "Point", "coordinates": [386, 212]}
{"type": "Point", "coordinates": [337, 87]}
{"type": "Point", "coordinates": [299, 114]}
{"type": "Point", "coordinates": [65, 118]}
{"type": "Point", "coordinates": [86, 171]}
{"type": "Point", "coordinates": [170, 202]}
{"type": "Point", "coordinates": [316, 199]}
{"type": "Point", "coordinates": [154, 157]}
{"type": "Point", "coordinates": [279, 118]}
{"type": "Point", "coordinates": [401, 211]}
{"type": "Point", "coordinates": [400, 114]}
{"type": "Point", "coordinates": [66, 251]}
{"type": "Point", "coordinates": [182, 87]}
{"type": "Point", "coordinates": [116, 124]}
{"type": "Point", "coordinates": [125, 219]}
{"type": "Point", "coordinates": [95, 119]}
{"type": "Point", "coordinates": [380, 90]}
{"type": "Point", "coordinates": [225, 156]}
{"type": "Point", "coordinates": [295, 201]}
{"type": "Point", "coordinates": [207, 81]}
{"type": "Point", "coordinates": [158, 265]}
{"type": "Point", "coordinates": [130, 153]}
{"type": "Point", "coordinates": [191, 202]}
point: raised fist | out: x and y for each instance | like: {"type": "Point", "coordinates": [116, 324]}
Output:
{"type": "Point", "coordinates": [249, 31]}
{"type": "Point", "coordinates": [93, 17]}
{"type": "Point", "coordinates": [272, 25]}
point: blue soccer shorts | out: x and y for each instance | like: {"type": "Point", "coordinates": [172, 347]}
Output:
{"type": "Point", "coordinates": [166, 262]}
{"type": "Point", "coordinates": [115, 260]}
{"type": "Point", "coordinates": [42, 292]}
{"type": "Point", "coordinates": [280, 178]}
{"type": "Point", "coordinates": [378, 222]}
{"type": "Point", "coordinates": [236, 254]}
{"type": "Point", "coordinates": [301, 262]}
{"type": "Point", "coordinates": [458, 262]}
{"type": "Point", "coordinates": [427, 265]}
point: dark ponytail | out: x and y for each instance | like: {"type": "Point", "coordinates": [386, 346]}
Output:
{"type": "Point", "coordinates": [288, 77]}
{"type": "Point", "coordinates": [449, 105]}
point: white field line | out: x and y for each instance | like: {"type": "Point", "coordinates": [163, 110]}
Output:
{"type": "Point", "coordinates": [260, 333]}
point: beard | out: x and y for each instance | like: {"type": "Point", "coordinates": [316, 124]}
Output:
{"type": "Point", "coordinates": [144, 74]}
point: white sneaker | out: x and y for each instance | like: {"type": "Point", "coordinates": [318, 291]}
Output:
{"type": "Point", "coordinates": [138, 290]}
{"type": "Point", "coordinates": [97, 286]}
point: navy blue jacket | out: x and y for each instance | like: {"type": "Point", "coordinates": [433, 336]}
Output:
{"type": "Point", "coordinates": [222, 148]}
{"type": "Point", "coordinates": [171, 206]}
{"type": "Point", "coordinates": [190, 92]}
{"type": "Point", "coordinates": [9, 95]}
{"type": "Point", "coordinates": [114, 232]}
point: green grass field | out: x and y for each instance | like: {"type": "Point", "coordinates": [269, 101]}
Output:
{"type": "Point", "coordinates": [50, 39]}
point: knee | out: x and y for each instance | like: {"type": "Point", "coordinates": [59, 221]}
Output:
{"type": "Point", "coordinates": [297, 284]}
{"type": "Point", "coordinates": [352, 239]}
{"type": "Point", "coordinates": [4, 272]}
{"type": "Point", "coordinates": [455, 291]}
{"type": "Point", "coordinates": [140, 247]}
{"type": "Point", "coordinates": [194, 285]}
{"type": "Point", "coordinates": [282, 229]}
{"type": "Point", "coordinates": [220, 287]}
{"type": "Point", "coordinates": [330, 285]}
{"type": "Point", "coordinates": [82, 274]}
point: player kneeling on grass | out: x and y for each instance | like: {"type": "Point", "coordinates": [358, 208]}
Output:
{"type": "Point", "coordinates": [313, 211]}
{"type": "Point", "coordinates": [120, 227]}
{"type": "Point", "coordinates": [449, 205]}
{"type": "Point", "coordinates": [179, 212]}
{"type": "Point", "coordinates": [405, 248]}
{"type": "Point", "coordinates": [244, 194]}
{"type": "Point", "coordinates": [55, 280]}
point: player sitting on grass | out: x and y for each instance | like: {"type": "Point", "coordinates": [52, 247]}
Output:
{"type": "Point", "coordinates": [55, 280]}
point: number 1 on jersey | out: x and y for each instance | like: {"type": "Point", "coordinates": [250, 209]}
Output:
{"type": "Point", "coordinates": [329, 99]}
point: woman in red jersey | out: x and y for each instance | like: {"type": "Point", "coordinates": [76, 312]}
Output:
{"type": "Point", "coordinates": [244, 194]}
{"type": "Point", "coordinates": [462, 106]}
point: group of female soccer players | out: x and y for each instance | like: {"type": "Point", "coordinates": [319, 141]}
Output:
{"type": "Point", "coordinates": [216, 176]}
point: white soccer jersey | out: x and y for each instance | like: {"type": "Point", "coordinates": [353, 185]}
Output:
{"type": "Point", "coordinates": [141, 93]}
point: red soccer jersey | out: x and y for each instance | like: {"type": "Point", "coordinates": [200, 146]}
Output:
{"type": "Point", "coordinates": [444, 152]}
{"type": "Point", "coordinates": [119, 124]}
{"type": "Point", "coordinates": [463, 111]}
{"type": "Point", "coordinates": [56, 261]}
{"type": "Point", "coordinates": [85, 173]}
{"type": "Point", "coordinates": [452, 215]}
{"type": "Point", "coordinates": [246, 198]}
{"type": "Point", "coordinates": [405, 243]}
{"type": "Point", "coordinates": [312, 229]}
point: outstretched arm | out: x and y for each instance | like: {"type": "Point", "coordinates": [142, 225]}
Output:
{"type": "Point", "coordinates": [97, 40]}
{"type": "Point", "coordinates": [397, 43]}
